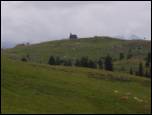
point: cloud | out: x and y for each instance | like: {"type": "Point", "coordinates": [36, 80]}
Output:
{"type": "Point", "coordinates": [42, 21]}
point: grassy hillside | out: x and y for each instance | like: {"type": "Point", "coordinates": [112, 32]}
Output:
{"type": "Point", "coordinates": [39, 88]}
{"type": "Point", "coordinates": [91, 47]}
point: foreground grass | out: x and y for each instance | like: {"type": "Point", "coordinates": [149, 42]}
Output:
{"type": "Point", "coordinates": [36, 88]}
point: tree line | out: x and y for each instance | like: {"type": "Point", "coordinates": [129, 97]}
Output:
{"type": "Point", "coordinates": [106, 64]}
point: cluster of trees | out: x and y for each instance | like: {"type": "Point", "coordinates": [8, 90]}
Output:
{"type": "Point", "coordinates": [85, 62]}
{"type": "Point", "coordinates": [102, 63]}
{"type": "Point", "coordinates": [122, 56]}
{"type": "Point", "coordinates": [58, 61]}
{"type": "Point", "coordinates": [143, 70]}
{"type": "Point", "coordinates": [106, 63]}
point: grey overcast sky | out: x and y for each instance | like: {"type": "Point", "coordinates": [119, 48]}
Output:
{"type": "Point", "coordinates": [31, 21]}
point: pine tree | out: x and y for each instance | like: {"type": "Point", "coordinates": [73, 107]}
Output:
{"type": "Point", "coordinates": [67, 62]}
{"type": "Point", "coordinates": [100, 63]}
{"type": "Point", "coordinates": [24, 59]}
{"type": "Point", "coordinates": [51, 61]}
{"type": "Point", "coordinates": [149, 57]}
{"type": "Point", "coordinates": [149, 75]}
{"type": "Point", "coordinates": [131, 71]}
{"type": "Point", "coordinates": [77, 63]}
{"type": "Point", "coordinates": [58, 61]}
{"type": "Point", "coordinates": [141, 70]}
{"type": "Point", "coordinates": [92, 64]}
{"type": "Point", "coordinates": [84, 61]}
{"type": "Point", "coordinates": [121, 56]}
{"type": "Point", "coordinates": [146, 73]}
{"type": "Point", "coordinates": [148, 60]}
{"type": "Point", "coordinates": [108, 63]}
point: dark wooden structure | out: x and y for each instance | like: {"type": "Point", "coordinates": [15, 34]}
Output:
{"type": "Point", "coordinates": [73, 36]}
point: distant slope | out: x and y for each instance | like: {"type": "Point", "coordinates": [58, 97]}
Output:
{"type": "Point", "coordinates": [129, 37]}
{"type": "Point", "coordinates": [36, 88]}
{"type": "Point", "coordinates": [92, 47]}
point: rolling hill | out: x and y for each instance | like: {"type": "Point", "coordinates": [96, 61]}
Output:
{"type": "Point", "coordinates": [36, 87]}
{"type": "Point", "coordinates": [94, 48]}
{"type": "Point", "coordinates": [29, 87]}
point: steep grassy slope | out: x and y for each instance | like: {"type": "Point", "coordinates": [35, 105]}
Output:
{"type": "Point", "coordinates": [36, 88]}
{"type": "Point", "coordinates": [91, 47]}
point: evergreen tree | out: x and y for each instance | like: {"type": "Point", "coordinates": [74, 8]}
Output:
{"type": "Point", "coordinates": [67, 62]}
{"type": "Point", "coordinates": [108, 63]}
{"type": "Point", "coordinates": [149, 75]}
{"type": "Point", "coordinates": [51, 61]}
{"type": "Point", "coordinates": [84, 61]}
{"type": "Point", "coordinates": [24, 59]}
{"type": "Point", "coordinates": [150, 72]}
{"type": "Point", "coordinates": [100, 63]}
{"type": "Point", "coordinates": [77, 63]}
{"type": "Point", "coordinates": [131, 71]}
{"type": "Point", "coordinates": [146, 73]}
{"type": "Point", "coordinates": [148, 60]}
{"type": "Point", "coordinates": [121, 56]}
{"type": "Point", "coordinates": [92, 64]}
{"type": "Point", "coordinates": [147, 63]}
{"type": "Point", "coordinates": [58, 61]}
{"type": "Point", "coordinates": [141, 70]}
{"type": "Point", "coordinates": [149, 57]}
{"type": "Point", "coordinates": [136, 73]}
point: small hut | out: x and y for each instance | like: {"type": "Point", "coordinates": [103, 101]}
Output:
{"type": "Point", "coordinates": [73, 36]}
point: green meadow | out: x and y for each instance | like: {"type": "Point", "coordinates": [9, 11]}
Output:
{"type": "Point", "coordinates": [94, 48]}
{"type": "Point", "coordinates": [36, 87]}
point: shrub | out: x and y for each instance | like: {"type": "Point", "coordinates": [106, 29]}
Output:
{"type": "Point", "coordinates": [24, 59]}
